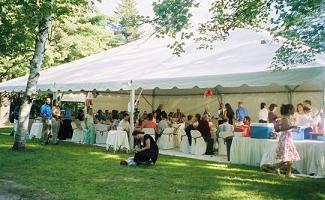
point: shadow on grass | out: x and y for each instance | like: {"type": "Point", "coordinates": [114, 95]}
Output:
{"type": "Point", "coordinates": [74, 171]}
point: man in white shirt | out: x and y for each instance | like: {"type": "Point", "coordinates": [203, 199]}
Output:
{"type": "Point", "coordinates": [225, 127]}
{"type": "Point", "coordinates": [124, 123]}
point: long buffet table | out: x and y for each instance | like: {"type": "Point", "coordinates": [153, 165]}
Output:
{"type": "Point", "coordinates": [250, 151]}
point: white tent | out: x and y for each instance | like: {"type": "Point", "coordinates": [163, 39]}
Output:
{"type": "Point", "coordinates": [236, 69]}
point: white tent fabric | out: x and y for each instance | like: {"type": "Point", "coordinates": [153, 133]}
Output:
{"type": "Point", "coordinates": [240, 61]}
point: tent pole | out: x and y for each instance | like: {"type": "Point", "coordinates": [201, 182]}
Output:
{"type": "Point", "coordinates": [323, 106]}
{"type": "Point", "coordinates": [132, 99]}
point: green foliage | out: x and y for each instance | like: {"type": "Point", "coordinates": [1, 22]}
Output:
{"type": "Point", "coordinates": [78, 37]}
{"type": "Point", "coordinates": [74, 35]}
{"type": "Point", "coordinates": [71, 171]}
{"type": "Point", "coordinates": [301, 24]}
{"type": "Point", "coordinates": [128, 20]}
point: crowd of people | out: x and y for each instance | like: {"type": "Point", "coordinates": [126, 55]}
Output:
{"type": "Point", "coordinates": [57, 123]}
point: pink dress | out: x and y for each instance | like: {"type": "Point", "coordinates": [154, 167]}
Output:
{"type": "Point", "coordinates": [286, 151]}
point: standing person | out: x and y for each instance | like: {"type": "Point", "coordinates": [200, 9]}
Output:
{"type": "Point", "coordinates": [56, 115]}
{"type": "Point", "coordinates": [159, 112]}
{"type": "Point", "coordinates": [221, 113]}
{"type": "Point", "coordinates": [263, 113]}
{"type": "Point", "coordinates": [241, 112]}
{"type": "Point", "coordinates": [229, 113]}
{"type": "Point", "coordinates": [46, 114]}
{"type": "Point", "coordinates": [148, 151]}
{"type": "Point", "coordinates": [286, 152]}
{"type": "Point", "coordinates": [16, 115]}
{"type": "Point", "coordinates": [90, 133]}
{"type": "Point", "coordinates": [299, 114]}
{"type": "Point", "coordinates": [205, 131]}
{"type": "Point", "coordinates": [66, 127]}
{"type": "Point", "coordinates": [272, 117]}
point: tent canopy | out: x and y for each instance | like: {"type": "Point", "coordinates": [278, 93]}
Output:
{"type": "Point", "coordinates": [240, 61]}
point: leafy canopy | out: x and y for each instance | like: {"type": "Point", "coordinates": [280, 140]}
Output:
{"type": "Point", "coordinates": [298, 24]}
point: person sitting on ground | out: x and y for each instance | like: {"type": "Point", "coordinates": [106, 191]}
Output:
{"type": "Point", "coordinates": [205, 131]}
{"type": "Point", "coordinates": [163, 124]}
{"type": "Point", "coordinates": [148, 151]}
{"type": "Point", "coordinates": [272, 117]}
{"type": "Point", "coordinates": [124, 124]}
{"type": "Point", "coordinates": [149, 123]}
{"type": "Point", "coordinates": [100, 115]}
{"type": "Point", "coordinates": [191, 120]}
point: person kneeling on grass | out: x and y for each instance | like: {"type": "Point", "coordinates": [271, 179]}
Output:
{"type": "Point", "coordinates": [148, 151]}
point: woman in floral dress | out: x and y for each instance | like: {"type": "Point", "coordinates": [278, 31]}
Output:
{"type": "Point", "coordinates": [286, 152]}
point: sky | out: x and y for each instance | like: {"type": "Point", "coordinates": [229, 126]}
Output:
{"type": "Point", "coordinates": [145, 8]}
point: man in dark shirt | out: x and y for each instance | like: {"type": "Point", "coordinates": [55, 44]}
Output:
{"type": "Point", "coordinates": [205, 131]}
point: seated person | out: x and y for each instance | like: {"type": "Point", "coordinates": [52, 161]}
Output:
{"type": "Point", "coordinates": [205, 131]}
{"type": "Point", "coordinates": [124, 123]}
{"type": "Point", "coordinates": [163, 124]}
{"type": "Point", "coordinates": [247, 126]}
{"type": "Point", "coordinates": [191, 120]}
{"type": "Point", "coordinates": [100, 115]}
{"type": "Point", "coordinates": [149, 123]}
{"type": "Point", "coordinates": [225, 127]}
{"type": "Point", "coordinates": [148, 151]}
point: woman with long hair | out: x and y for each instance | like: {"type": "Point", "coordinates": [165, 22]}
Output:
{"type": "Point", "coordinates": [230, 114]}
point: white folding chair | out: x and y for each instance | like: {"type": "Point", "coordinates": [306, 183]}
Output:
{"type": "Point", "coordinates": [166, 140]}
{"type": "Point", "coordinates": [101, 133]}
{"type": "Point", "coordinates": [150, 131]}
{"type": "Point", "coordinates": [198, 146]}
{"type": "Point", "coordinates": [78, 134]}
{"type": "Point", "coordinates": [222, 150]}
{"type": "Point", "coordinates": [184, 146]}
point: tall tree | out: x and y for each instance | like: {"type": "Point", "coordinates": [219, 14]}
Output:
{"type": "Point", "coordinates": [299, 24]}
{"type": "Point", "coordinates": [128, 19]}
{"type": "Point", "coordinates": [19, 36]}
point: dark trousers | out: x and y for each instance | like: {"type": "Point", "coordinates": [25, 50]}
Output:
{"type": "Point", "coordinates": [209, 142]}
{"type": "Point", "coordinates": [146, 156]}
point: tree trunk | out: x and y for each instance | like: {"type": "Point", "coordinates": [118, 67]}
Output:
{"type": "Point", "coordinates": [4, 109]}
{"type": "Point", "coordinates": [31, 90]}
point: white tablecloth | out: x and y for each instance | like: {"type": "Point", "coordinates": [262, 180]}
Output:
{"type": "Point", "coordinates": [250, 151]}
{"type": "Point", "coordinates": [36, 130]}
{"type": "Point", "coordinates": [101, 133]}
{"type": "Point", "coordinates": [117, 140]}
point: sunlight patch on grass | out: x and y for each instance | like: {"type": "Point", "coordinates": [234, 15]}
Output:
{"type": "Point", "coordinates": [111, 156]}
{"type": "Point", "coordinates": [178, 164]}
{"type": "Point", "coordinates": [238, 179]}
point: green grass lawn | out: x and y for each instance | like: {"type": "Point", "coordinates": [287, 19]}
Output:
{"type": "Point", "coordinates": [72, 171]}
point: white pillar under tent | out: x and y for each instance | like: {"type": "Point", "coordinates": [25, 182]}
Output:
{"type": "Point", "coordinates": [131, 110]}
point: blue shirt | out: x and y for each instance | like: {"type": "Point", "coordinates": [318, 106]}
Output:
{"type": "Point", "coordinates": [67, 114]}
{"type": "Point", "coordinates": [241, 113]}
{"type": "Point", "coordinates": [46, 111]}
